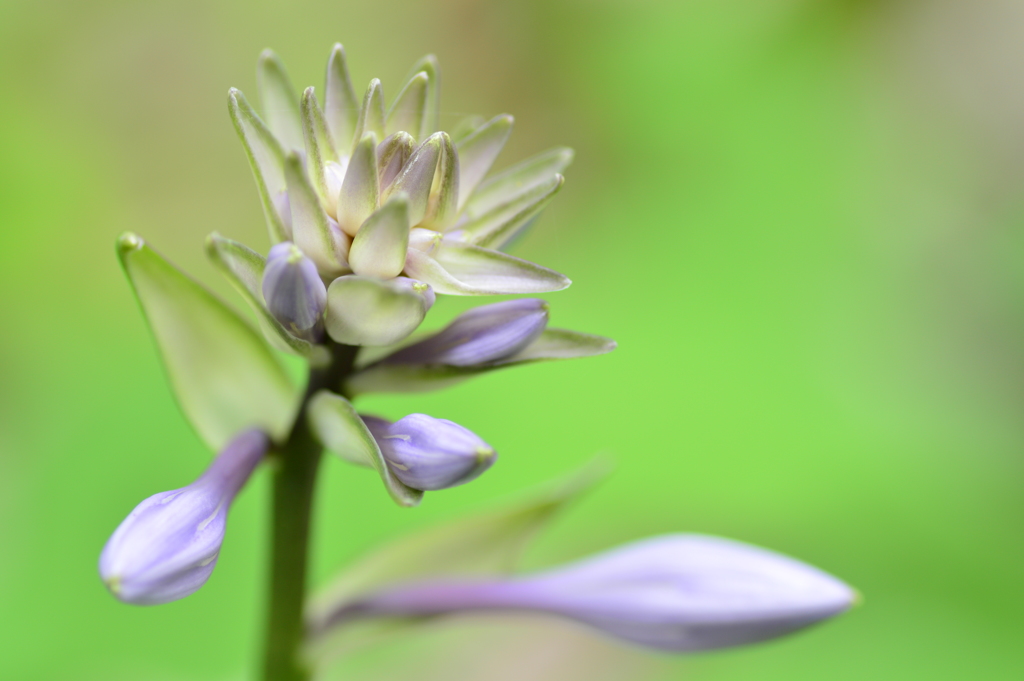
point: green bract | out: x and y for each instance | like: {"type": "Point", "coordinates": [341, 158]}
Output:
{"type": "Point", "coordinates": [224, 375]}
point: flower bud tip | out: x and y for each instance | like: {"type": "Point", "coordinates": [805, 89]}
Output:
{"type": "Point", "coordinates": [129, 241]}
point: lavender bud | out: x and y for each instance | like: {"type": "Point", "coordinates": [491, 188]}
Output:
{"type": "Point", "coordinates": [167, 547]}
{"type": "Point", "coordinates": [430, 454]}
{"type": "Point", "coordinates": [484, 334]}
{"type": "Point", "coordinates": [294, 292]}
{"type": "Point", "coordinates": [677, 593]}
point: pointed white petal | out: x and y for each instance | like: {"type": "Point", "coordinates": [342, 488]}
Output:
{"type": "Point", "coordinates": [379, 248]}
{"type": "Point", "coordinates": [478, 151]}
{"type": "Point", "coordinates": [430, 124]}
{"type": "Point", "coordinates": [319, 145]}
{"type": "Point", "coordinates": [467, 270]}
{"type": "Point", "coordinates": [360, 191]}
{"type": "Point", "coordinates": [496, 227]}
{"type": "Point", "coordinates": [266, 158]}
{"type": "Point", "coordinates": [466, 127]}
{"type": "Point", "coordinates": [409, 109]}
{"type": "Point", "coordinates": [310, 224]}
{"type": "Point", "coordinates": [341, 108]}
{"type": "Point", "coordinates": [425, 240]}
{"type": "Point", "coordinates": [518, 179]}
{"type": "Point", "coordinates": [280, 104]}
{"type": "Point", "coordinates": [371, 114]}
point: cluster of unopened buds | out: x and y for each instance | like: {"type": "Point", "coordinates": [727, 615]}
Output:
{"type": "Point", "coordinates": [373, 213]}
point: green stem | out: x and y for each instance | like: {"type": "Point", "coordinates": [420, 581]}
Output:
{"type": "Point", "coordinates": [293, 485]}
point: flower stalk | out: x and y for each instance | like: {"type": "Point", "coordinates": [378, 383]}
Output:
{"type": "Point", "coordinates": [295, 465]}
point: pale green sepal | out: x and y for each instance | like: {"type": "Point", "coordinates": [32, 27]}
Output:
{"type": "Point", "coordinates": [417, 176]}
{"type": "Point", "coordinates": [461, 269]}
{"type": "Point", "coordinates": [516, 180]}
{"type": "Point", "coordinates": [443, 202]}
{"type": "Point", "coordinates": [243, 267]}
{"type": "Point", "coordinates": [478, 151]}
{"type": "Point", "coordinates": [409, 109]}
{"type": "Point", "coordinates": [280, 104]}
{"type": "Point", "coordinates": [310, 227]}
{"type": "Point", "coordinates": [368, 311]}
{"type": "Point", "coordinates": [360, 190]}
{"type": "Point", "coordinates": [337, 426]}
{"type": "Point", "coordinates": [496, 227]}
{"type": "Point", "coordinates": [371, 114]}
{"type": "Point", "coordinates": [379, 248]}
{"type": "Point", "coordinates": [472, 545]}
{"type": "Point", "coordinates": [319, 145]}
{"type": "Point", "coordinates": [553, 344]}
{"type": "Point", "coordinates": [225, 377]}
{"type": "Point", "coordinates": [341, 108]}
{"type": "Point", "coordinates": [266, 158]}
{"type": "Point", "coordinates": [429, 66]}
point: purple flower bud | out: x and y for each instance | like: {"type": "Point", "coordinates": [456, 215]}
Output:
{"type": "Point", "coordinates": [483, 334]}
{"type": "Point", "coordinates": [294, 292]}
{"type": "Point", "coordinates": [430, 454]}
{"type": "Point", "coordinates": [676, 592]}
{"type": "Point", "coordinates": [167, 547]}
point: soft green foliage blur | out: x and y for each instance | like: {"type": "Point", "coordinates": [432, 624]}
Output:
{"type": "Point", "coordinates": [801, 220]}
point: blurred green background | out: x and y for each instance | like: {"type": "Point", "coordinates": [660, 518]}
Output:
{"type": "Point", "coordinates": [802, 220]}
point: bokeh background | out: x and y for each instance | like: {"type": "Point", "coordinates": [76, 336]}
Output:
{"type": "Point", "coordinates": [803, 221]}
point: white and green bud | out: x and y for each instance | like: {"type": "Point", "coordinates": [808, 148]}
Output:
{"type": "Point", "coordinates": [369, 311]}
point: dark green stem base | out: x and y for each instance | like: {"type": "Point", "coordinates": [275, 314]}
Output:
{"type": "Point", "coordinates": [297, 461]}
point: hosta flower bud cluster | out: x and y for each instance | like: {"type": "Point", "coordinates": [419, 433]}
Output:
{"type": "Point", "coordinates": [381, 206]}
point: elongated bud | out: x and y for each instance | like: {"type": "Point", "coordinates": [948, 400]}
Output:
{"type": "Point", "coordinates": [294, 292]}
{"type": "Point", "coordinates": [677, 592]}
{"type": "Point", "coordinates": [392, 155]}
{"type": "Point", "coordinates": [167, 547]}
{"type": "Point", "coordinates": [483, 334]}
{"type": "Point", "coordinates": [430, 454]}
